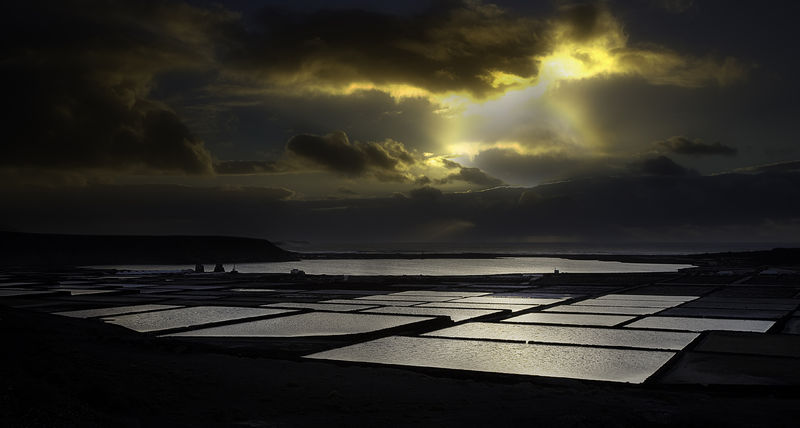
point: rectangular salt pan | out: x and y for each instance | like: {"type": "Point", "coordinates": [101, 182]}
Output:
{"type": "Point", "coordinates": [628, 303]}
{"type": "Point", "coordinates": [103, 312]}
{"type": "Point", "coordinates": [5, 292]}
{"type": "Point", "coordinates": [453, 294]}
{"type": "Point", "coordinates": [499, 307]}
{"type": "Point", "coordinates": [455, 314]}
{"type": "Point", "coordinates": [310, 324]}
{"type": "Point", "coordinates": [320, 306]}
{"type": "Point", "coordinates": [657, 297]}
{"type": "Point", "coordinates": [187, 317]}
{"type": "Point", "coordinates": [16, 284]}
{"type": "Point", "coordinates": [510, 300]}
{"type": "Point", "coordinates": [621, 310]}
{"type": "Point", "coordinates": [724, 313]}
{"type": "Point", "coordinates": [702, 324]}
{"type": "Point", "coordinates": [616, 365]}
{"type": "Point", "coordinates": [371, 302]}
{"type": "Point", "coordinates": [408, 298]}
{"type": "Point", "coordinates": [711, 304]}
{"type": "Point", "coordinates": [84, 291]}
{"type": "Point", "coordinates": [577, 319]}
{"type": "Point", "coordinates": [569, 335]}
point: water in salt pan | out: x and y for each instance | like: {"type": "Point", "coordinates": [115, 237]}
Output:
{"type": "Point", "coordinates": [7, 292]}
{"type": "Point", "coordinates": [627, 303]}
{"type": "Point", "coordinates": [569, 335]}
{"type": "Point", "coordinates": [453, 294]}
{"type": "Point", "coordinates": [717, 304]}
{"type": "Point", "coordinates": [617, 365]}
{"type": "Point", "coordinates": [320, 306]}
{"type": "Point", "coordinates": [702, 324]}
{"type": "Point", "coordinates": [309, 324]}
{"type": "Point", "coordinates": [510, 300]}
{"type": "Point", "coordinates": [187, 317]}
{"type": "Point", "coordinates": [621, 310]}
{"type": "Point", "coordinates": [371, 302]}
{"type": "Point", "coordinates": [576, 319]}
{"type": "Point", "coordinates": [408, 298]}
{"type": "Point", "coordinates": [84, 291]}
{"type": "Point", "coordinates": [455, 315]}
{"type": "Point", "coordinates": [499, 307]}
{"type": "Point", "coordinates": [103, 312]}
{"type": "Point", "coordinates": [724, 313]}
{"type": "Point", "coordinates": [648, 297]}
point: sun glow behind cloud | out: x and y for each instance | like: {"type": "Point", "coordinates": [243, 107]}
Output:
{"type": "Point", "coordinates": [475, 100]}
{"type": "Point", "coordinates": [527, 103]}
{"type": "Point", "coordinates": [490, 78]}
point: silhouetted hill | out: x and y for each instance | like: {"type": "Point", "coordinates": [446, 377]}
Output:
{"type": "Point", "coordinates": [23, 249]}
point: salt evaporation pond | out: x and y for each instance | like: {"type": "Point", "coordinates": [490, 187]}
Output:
{"type": "Point", "coordinates": [618, 365]}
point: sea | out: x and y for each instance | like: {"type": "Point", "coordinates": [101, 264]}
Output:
{"type": "Point", "coordinates": [520, 258]}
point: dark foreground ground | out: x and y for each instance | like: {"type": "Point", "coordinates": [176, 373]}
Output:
{"type": "Point", "coordinates": [71, 373]}
{"type": "Point", "coordinates": [59, 371]}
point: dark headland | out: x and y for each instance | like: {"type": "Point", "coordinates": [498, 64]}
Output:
{"type": "Point", "coordinates": [39, 249]}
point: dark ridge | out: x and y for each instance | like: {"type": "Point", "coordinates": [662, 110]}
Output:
{"type": "Point", "coordinates": [34, 249]}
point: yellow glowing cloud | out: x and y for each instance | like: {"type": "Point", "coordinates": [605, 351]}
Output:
{"type": "Point", "coordinates": [604, 54]}
{"type": "Point", "coordinates": [519, 111]}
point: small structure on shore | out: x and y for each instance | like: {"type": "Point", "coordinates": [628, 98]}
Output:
{"type": "Point", "coordinates": [199, 268]}
{"type": "Point", "coordinates": [219, 268]}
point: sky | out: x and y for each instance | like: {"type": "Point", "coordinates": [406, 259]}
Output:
{"type": "Point", "coordinates": [413, 121]}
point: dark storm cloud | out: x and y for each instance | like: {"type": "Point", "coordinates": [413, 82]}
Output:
{"type": "Point", "coordinates": [451, 46]}
{"type": "Point", "coordinates": [685, 146]}
{"type": "Point", "coordinates": [659, 166]}
{"type": "Point", "coordinates": [77, 83]}
{"type": "Point", "coordinates": [528, 169]}
{"type": "Point", "coordinates": [386, 160]}
{"type": "Point", "coordinates": [425, 194]}
{"type": "Point", "coordinates": [473, 176]}
{"type": "Point", "coordinates": [423, 180]}
{"type": "Point", "coordinates": [583, 20]}
{"type": "Point", "coordinates": [248, 167]}
{"type": "Point", "coordinates": [515, 167]}
{"type": "Point", "coordinates": [346, 191]}
{"type": "Point", "coordinates": [674, 6]}
{"type": "Point", "coordinates": [71, 122]}
{"type": "Point", "coordinates": [450, 164]}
